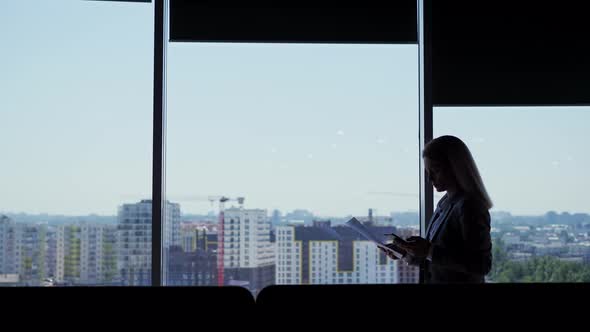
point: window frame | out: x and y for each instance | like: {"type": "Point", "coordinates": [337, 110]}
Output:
{"type": "Point", "coordinates": [161, 39]}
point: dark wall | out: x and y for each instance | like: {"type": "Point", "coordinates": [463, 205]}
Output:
{"type": "Point", "coordinates": [510, 53]}
{"type": "Point", "coordinates": [265, 21]}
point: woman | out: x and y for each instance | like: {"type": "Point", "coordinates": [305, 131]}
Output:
{"type": "Point", "coordinates": [457, 246]}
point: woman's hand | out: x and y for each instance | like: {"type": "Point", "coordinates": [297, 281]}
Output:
{"type": "Point", "coordinates": [388, 253]}
{"type": "Point", "coordinates": [416, 246]}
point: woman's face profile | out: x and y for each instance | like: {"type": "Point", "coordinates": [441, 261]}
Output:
{"type": "Point", "coordinates": [440, 177]}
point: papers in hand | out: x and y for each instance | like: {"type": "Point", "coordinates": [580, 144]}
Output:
{"type": "Point", "coordinates": [378, 240]}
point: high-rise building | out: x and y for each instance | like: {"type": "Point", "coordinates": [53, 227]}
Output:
{"type": "Point", "coordinates": [135, 239]}
{"type": "Point", "coordinates": [188, 237]}
{"type": "Point", "coordinates": [248, 252]}
{"type": "Point", "coordinates": [27, 248]}
{"type": "Point", "coordinates": [23, 249]}
{"type": "Point", "coordinates": [194, 263]}
{"type": "Point", "coordinates": [51, 252]}
{"type": "Point", "coordinates": [86, 254]}
{"type": "Point", "coordinates": [6, 264]}
{"type": "Point", "coordinates": [195, 237]}
{"type": "Point", "coordinates": [171, 233]}
{"type": "Point", "coordinates": [322, 254]}
{"type": "Point", "coordinates": [195, 268]}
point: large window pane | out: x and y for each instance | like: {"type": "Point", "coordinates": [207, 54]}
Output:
{"type": "Point", "coordinates": [75, 136]}
{"type": "Point", "coordinates": [534, 162]}
{"type": "Point", "coordinates": [309, 135]}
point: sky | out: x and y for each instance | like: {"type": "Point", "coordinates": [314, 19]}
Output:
{"type": "Point", "coordinates": [328, 128]}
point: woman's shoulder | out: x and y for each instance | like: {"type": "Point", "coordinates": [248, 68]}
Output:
{"type": "Point", "coordinates": [472, 205]}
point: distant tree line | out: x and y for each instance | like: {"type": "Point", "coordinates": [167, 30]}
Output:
{"type": "Point", "coordinates": [536, 269]}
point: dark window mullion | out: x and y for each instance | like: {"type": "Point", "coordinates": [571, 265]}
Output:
{"type": "Point", "coordinates": [425, 113]}
{"type": "Point", "coordinates": [158, 171]}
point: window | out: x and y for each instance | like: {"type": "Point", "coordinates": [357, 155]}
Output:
{"type": "Point", "coordinates": [533, 161]}
{"type": "Point", "coordinates": [76, 96]}
{"type": "Point", "coordinates": [288, 115]}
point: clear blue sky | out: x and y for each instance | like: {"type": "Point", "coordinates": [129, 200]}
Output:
{"type": "Point", "coordinates": [287, 126]}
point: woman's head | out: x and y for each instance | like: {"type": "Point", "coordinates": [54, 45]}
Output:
{"type": "Point", "coordinates": [450, 167]}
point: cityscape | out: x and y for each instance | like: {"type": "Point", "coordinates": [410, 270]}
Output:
{"type": "Point", "coordinates": [262, 248]}
{"type": "Point", "coordinates": [333, 127]}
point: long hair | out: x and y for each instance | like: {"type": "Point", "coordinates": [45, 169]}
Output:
{"type": "Point", "coordinates": [454, 154]}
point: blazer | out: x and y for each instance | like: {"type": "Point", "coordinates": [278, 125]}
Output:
{"type": "Point", "coordinates": [461, 246]}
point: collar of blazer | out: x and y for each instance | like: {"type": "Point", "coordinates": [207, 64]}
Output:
{"type": "Point", "coordinates": [445, 208]}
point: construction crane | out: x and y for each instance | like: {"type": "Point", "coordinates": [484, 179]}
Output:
{"type": "Point", "coordinates": [220, 232]}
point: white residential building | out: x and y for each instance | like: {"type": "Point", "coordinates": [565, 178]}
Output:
{"type": "Point", "coordinates": [247, 239]}
{"type": "Point", "coordinates": [248, 252]}
{"type": "Point", "coordinates": [335, 255]}
{"type": "Point", "coordinates": [23, 249]}
{"type": "Point", "coordinates": [86, 254]}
